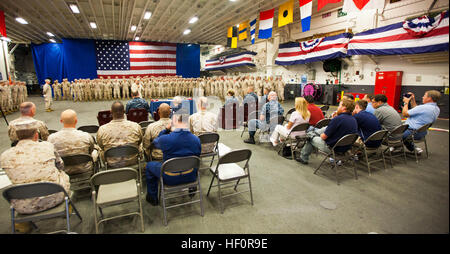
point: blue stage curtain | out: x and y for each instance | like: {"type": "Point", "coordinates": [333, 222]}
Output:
{"type": "Point", "coordinates": [48, 59]}
{"type": "Point", "coordinates": [80, 59]}
{"type": "Point", "coordinates": [188, 60]}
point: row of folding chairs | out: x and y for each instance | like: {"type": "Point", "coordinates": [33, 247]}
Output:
{"type": "Point", "coordinates": [111, 187]}
{"type": "Point", "coordinates": [389, 142]}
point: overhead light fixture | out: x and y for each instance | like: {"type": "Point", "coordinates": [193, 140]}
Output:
{"type": "Point", "coordinates": [133, 28]}
{"type": "Point", "coordinates": [187, 31]}
{"type": "Point", "coordinates": [5, 39]}
{"type": "Point", "coordinates": [74, 8]}
{"type": "Point", "coordinates": [51, 40]}
{"type": "Point", "coordinates": [193, 20]}
{"type": "Point", "coordinates": [147, 15]}
{"type": "Point", "coordinates": [137, 38]}
{"type": "Point", "coordinates": [50, 34]}
{"type": "Point", "coordinates": [93, 25]}
{"type": "Point", "coordinates": [232, 0]}
{"type": "Point", "coordinates": [21, 20]}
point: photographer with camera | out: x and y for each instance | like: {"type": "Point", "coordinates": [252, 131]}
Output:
{"type": "Point", "coordinates": [419, 115]}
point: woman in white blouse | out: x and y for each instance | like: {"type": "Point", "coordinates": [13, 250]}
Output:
{"type": "Point", "coordinates": [299, 116]}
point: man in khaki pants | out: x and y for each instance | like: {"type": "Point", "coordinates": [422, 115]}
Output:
{"type": "Point", "coordinates": [47, 92]}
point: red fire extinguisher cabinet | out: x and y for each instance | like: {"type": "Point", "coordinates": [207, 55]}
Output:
{"type": "Point", "coordinates": [389, 83]}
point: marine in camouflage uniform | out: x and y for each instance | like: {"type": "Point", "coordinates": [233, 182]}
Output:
{"type": "Point", "coordinates": [153, 130]}
{"type": "Point", "coordinates": [119, 132]}
{"type": "Point", "coordinates": [31, 161]}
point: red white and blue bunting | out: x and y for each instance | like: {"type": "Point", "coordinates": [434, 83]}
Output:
{"type": "Point", "coordinates": [235, 60]}
{"type": "Point", "coordinates": [314, 50]}
{"type": "Point", "coordinates": [421, 35]}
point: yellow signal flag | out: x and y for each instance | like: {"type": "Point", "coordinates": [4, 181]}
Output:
{"type": "Point", "coordinates": [243, 27]}
{"type": "Point", "coordinates": [286, 13]}
{"type": "Point", "coordinates": [234, 42]}
{"type": "Point", "coordinates": [230, 32]}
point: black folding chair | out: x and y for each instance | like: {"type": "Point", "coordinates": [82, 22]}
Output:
{"type": "Point", "coordinates": [412, 138]}
{"type": "Point", "coordinates": [124, 151]}
{"type": "Point", "coordinates": [288, 114]}
{"type": "Point", "coordinates": [367, 151]}
{"type": "Point", "coordinates": [297, 142]}
{"type": "Point", "coordinates": [347, 140]}
{"type": "Point", "coordinates": [91, 129]}
{"type": "Point", "coordinates": [209, 139]}
{"type": "Point", "coordinates": [324, 109]}
{"type": "Point", "coordinates": [40, 189]}
{"type": "Point", "coordinates": [322, 123]}
{"type": "Point", "coordinates": [80, 181]}
{"type": "Point", "coordinates": [180, 165]}
{"type": "Point", "coordinates": [395, 141]}
{"type": "Point", "coordinates": [52, 131]}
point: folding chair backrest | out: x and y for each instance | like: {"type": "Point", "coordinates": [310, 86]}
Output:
{"type": "Point", "coordinates": [52, 131]}
{"type": "Point", "coordinates": [300, 127]}
{"type": "Point", "coordinates": [180, 164]}
{"type": "Point", "coordinates": [236, 156]}
{"type": "Point", "coordinates": [32, 190]}
{"type": "Point", "coordinates": [144, 124]}
{"type": "Point", "coordinates": [89, 128]}
{"type": "Point", "coordinates": [322, 123]}
{"type": "Point", "coordinates": [289, 112]}
{"type": "Point", "coordinates": [113, 176]}
{"type": "Point", "coordinates": [377, 136]}
{"type": "Point", "coordinates": [424, 128]}
{"type": "Point", "coordinates": [121, 151]}
{"type": "Point", "coordinates": [207, 138]}
{"type": "Point", "coordinates": [324, 107]}
{"type": "Point", "coordinates": [346, 140]}
{"type": "Point", "coordinates": [399, 130]}
{"type": "Point", "coordinates": [77, 159]}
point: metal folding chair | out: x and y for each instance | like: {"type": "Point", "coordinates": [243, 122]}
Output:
{"type": "Point", "coordinates": [115, 187]}
{"type": "Point", "coordinates": [41, 189]}
{"type": "Point", "coordinates": [124, 151]}
{"type": "Point", "coordinates": [91, 129]}
{"type": "Point", "coordinates": [347, 140]}
{"type": "Point", "coordinates": [367, 151]}
{"type": "Point", "coordinates": [180, 165]}
{"type": "Point", "coordinates": [296, 142]}
{"type": "Point", "coordinates": [279, 120]}
{"type": "Point", "coordinates": [288, 114]}
{"type": "Point", "coordinates": [80, 181]}
{"type": "Point", "coordinates": [415, 140]}
{"type": "Point", "coordinates": [322, 123]}
{"type": "Point", "coordinates": [324, 109]}
{"type": "Point", "coordinates": [395, 141]}
{"type": "Point", "coordinates": [213, 140]}
{"type": "Point", "coordinates": [228, 173]}
{"type": "Point", "coordinates": [247, 118]}
{"type": "Point", "coordinates": [52, 131]}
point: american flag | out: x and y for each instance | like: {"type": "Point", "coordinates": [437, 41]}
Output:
{"type": "Point", "coordinates": [122, 58]}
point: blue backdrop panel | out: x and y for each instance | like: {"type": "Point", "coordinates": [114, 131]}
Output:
{"type": "Point", "coordinates": [79, 59]}
{"type": "Point", "coordinates": [48, 59]}
{"type": "Point", "coordinates": [188, 60]}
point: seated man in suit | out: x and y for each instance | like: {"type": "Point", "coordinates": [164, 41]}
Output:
{"type": "Point", "coordinates": [176, 141]}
